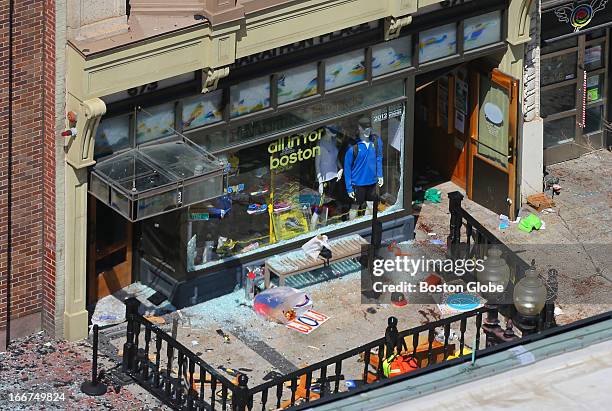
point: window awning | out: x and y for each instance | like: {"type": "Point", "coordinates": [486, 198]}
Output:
{"type": "Point", "coordinates": [156, 179]}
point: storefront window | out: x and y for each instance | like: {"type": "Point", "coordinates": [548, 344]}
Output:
{"type": "Point", "coordinates": [593, 119]}
{"type": "Point", "coordinates": [297, 83]}
{"type": "Point", "coordinates": [154, 122]}
{"type": "Point", "coordinates": [202, 109]}
{"type": "Point", "coordinates": [559, 45]}
{"type": "Point", "coordinates": [559, 68]}
{"type": "Point", "coordinates": [347, 68]}
{"type": "Point", "coordinates": [559, 131]}
{"type": "Point", "coordinates": [558, 100]}
{"type": "Point", "coordinates": [331, 107]}
{"type": "Point", "coordinates": [437, 43]}
{"type": "Point", "coordinates": [595, 88]}
{"type": "Point", "coordinates": [595, 34]}
{"type": "Point", "coordinates": [250, 96]}
{"type": "Point", "coordinates": [282, 189]}
{"type": "Point", "coordinates": [482, 30]}
{"type": "Point", "coordinates": [392, 56]}
{"type": "Point", "coordinates": [593, 58]}
{"type": "Point", "coordinates": [113, 135]}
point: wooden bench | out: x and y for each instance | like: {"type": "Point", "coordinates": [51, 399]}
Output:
{"type": "Point", "coordinates": [297, 262]}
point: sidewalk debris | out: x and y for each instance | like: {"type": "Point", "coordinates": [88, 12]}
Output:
{"type": "Point", "coordinates": [540, 201]}
{"type": "Point", "coordinates": [530, 223]}
{"type": "Point", "coordinates": [504, 222]}
{"type": "Point", "coordinates": [307, 322]}
{"type": "Point", "coordinates": [226, 338]}
{"type": "Point", "coordinates": [272, 375]}
{"type": "Point", "coordinates": [282, 304]}
{"type": "Point", "coordinates": [155, 319]}
{"type": "Point", "coordinates": [433, 195]}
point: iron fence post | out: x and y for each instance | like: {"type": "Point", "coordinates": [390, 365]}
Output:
{"type": "Point", "coordinates": [454, 206]}
{"type": "Point", "coordinates": [94, 387]}
{"type": "Point", "coordinates": [491, 326]}
{"type": "Point", "coordinates": [240, 396]}
{"type": "Point", "coordinates": [391, 336]}
{"type": "Point", "coordinates": [131, 310]}
{"type": "Point", "coordinates": [552, 288]}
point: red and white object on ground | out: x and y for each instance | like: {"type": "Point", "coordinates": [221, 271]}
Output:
{"type": "Point", "coordinates": [307, 322]}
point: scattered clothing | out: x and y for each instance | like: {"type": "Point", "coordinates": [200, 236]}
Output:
{"type": "Point", "coordinates": [530, 223]}
{"type": "Point", "coordinates": [433, 195]}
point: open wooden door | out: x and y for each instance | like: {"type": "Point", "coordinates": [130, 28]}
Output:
{"type": "Point", "coordinates": [109, 251]}
{"type": "Point", "coordinates": [493, 135]}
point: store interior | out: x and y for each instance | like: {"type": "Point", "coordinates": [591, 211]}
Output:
{"type": "Point", "coordinates": [440, 133]}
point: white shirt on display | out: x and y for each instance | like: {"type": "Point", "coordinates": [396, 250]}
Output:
{"type": "Point", "coordinates": [326, 163]}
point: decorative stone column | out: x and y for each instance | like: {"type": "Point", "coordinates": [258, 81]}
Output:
{"type": "Point", "coordinates": [78, 157]}
{"type": "Point", "coordinates": [532, 150]}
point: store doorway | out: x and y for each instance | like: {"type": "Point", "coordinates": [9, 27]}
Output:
{"type": "Point", "coordinates": [493, 132]}
{"type": "Point", "coordinates": [440, 141]}
{"type": "Point", "coordinates": [109, 259]}
{"type": "Point", "coordinates": [465, 132]}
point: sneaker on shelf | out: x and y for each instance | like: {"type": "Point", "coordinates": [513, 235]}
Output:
{"type": "Point", "coordinates": [260, 191]}
{"type": "Point", "coordinates": [292, 224]}
{"type": "Point", "coordinates": [281, 206]}
{"type": "Point", "coordinates": [250, 247]}
{"type": "Point", "coordinates": [257, 208]}
{"type": "Point", "coordinates": [225, 245]}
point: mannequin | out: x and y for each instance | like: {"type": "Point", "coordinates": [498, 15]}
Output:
{"type": "Point", "coordinates": [363, 166]}
{"type": "Point", "coordinates": [329, 172]}
{"type": "Point", "coordinates": [328, 169]}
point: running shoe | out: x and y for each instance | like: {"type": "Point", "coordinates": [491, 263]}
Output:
{"type": "Point", "coordinates": [281, 206]}
{"type": "Point", "coordinates": [225, 245]}
{"type": "Point", "coordinates": [250, 247]}
{"type": "Point", "coordinates": [292, 224]}
{"type": "Point", "coordinates": [261, 191]}
{"type": "Point", "coordinates": [257, 208]}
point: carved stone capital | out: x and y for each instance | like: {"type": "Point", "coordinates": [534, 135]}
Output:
{"type": "Point", "coordinates": [393, 26]}
{"type": "Point", "coordinates": [211, 77]}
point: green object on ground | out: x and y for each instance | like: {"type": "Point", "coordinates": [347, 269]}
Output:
{"type": "Point", "coordinates": [529, 223]}
{"type": "Point", "coordinates": [433, 195]}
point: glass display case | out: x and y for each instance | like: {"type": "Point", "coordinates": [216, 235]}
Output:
{"type": "Point", "coordinates": [151, 180]}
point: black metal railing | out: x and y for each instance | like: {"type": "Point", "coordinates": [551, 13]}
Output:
{"type": "Point", "coordinates": [172, 372]}
{"type": "Point", "coordinates": [468, 238]}
{"type": "Point", "coordinates": [429, 344]}
{"type": "Point", "coordinates": [183, 381]}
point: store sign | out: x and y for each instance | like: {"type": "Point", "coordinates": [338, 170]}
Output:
{"type": "Point", "coordinates": [396, 111]}
{"type": "Point", "coordinates": [446, 4]}
{"type": "Point", "coordinates": [149, 87]}
{"type": "Point", "coordinates": [305, 44]}
{"type": "Point", "coordinates": [575, 16]}
{"type": "Point", "coordinates": [294, 149]}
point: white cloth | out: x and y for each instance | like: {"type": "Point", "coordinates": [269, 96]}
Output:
{"type": "Point", "coordinates": [314, 246]}
{"type": "Point", "coordinates": [326, 163]}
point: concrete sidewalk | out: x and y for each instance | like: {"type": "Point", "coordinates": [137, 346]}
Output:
{"type": "Point", "coordinates": [577, 239]}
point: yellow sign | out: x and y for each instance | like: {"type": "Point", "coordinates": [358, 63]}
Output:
{"type": "Point", "coordinates": [292, 149]}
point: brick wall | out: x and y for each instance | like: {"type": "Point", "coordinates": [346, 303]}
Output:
{"type": "Point", "coordinates": [33, 164]}
{"type": "Point", "coordinates": [49, 269]}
